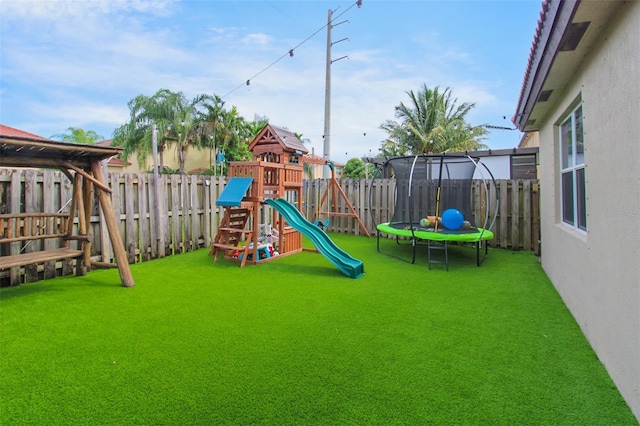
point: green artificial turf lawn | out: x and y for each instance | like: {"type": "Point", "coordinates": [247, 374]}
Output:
{"type": "Point", "coordinates": [293, 341]}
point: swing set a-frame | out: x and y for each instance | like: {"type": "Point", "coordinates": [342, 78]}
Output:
{"type": "Point", "coordinates": [331, 194]}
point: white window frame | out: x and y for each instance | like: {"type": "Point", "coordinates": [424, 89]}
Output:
{"type": "Point", "coordinates": [572, 177]}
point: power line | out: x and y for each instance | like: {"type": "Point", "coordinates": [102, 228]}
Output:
{"type": "Point", "coordinates": [290, 51]}
{"type": "Point", "coordinates": [286, 15]}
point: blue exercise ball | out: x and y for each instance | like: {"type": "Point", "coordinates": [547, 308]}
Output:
{"type": "Point", "coordinates": [452, 219]}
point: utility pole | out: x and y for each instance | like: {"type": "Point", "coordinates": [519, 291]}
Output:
{"type": "Point", "coordinates": [326, 154]}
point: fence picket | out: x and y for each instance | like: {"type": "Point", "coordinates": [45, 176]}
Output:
{"type": "Point", "coordinates": [526, 213]}
{"type": "Point", "coordinates": [143, 217]}
{"type": "Point", "coordinates": [515, 214]}
{"type": "Point", "coordinates": [131, 240]}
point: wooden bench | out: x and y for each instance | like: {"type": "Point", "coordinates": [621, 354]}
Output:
{"type": "Point", "coordinates": [27, 228]}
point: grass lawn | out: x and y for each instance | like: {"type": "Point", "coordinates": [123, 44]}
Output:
{"type": "Point", "coordinates": [294, 341]}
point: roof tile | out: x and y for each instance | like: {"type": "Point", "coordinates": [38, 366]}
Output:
{"type": "Point", "coordinates": [13, 132]}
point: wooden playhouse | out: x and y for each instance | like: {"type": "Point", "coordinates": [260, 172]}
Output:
{"type": "Point", "coordinates": [248, 226]}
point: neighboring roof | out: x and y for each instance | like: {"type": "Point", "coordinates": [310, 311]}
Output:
{"type": "Point", "coordinates": [566, 32]}
{"type": "Point", "coordinates": [13, 132]}
{"type": "Point", "coordinates": [313, 159]}
{"type": "Point", "coordinates": [317, 159]}
{"type": "Point", "coordinates": [106, 142]}
{"type": "Point", "coordinates": [530, 140]}
{"type": "Point", "coordinates": [23, 149]}
{"type": "Point", "coordinates": [113, 161]}
{"type": "Point", "coordinates": [284, 137]}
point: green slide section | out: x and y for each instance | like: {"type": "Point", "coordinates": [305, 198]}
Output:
{"type": "Point", "coordinates": [351, 267]}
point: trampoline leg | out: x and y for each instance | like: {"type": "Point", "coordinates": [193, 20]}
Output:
{"type": "Point", "coordinates": [486, 252]}
{"type": "Point", "coordinates": [414, 243]}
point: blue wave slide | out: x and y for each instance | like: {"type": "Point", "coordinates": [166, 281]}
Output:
{"type": "Point", "coordinates": [351, 267]}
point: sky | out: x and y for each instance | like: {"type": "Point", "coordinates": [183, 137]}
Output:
{"type": "Point", "coordinates": [78, 63]}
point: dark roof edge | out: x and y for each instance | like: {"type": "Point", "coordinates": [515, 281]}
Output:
{"type": "Point", "coordinates": [555, 17]}
{"type": "Point", "coordinates": [473, 154]}
{"type": "Point", "coordinates": [502, 152]}
{"type": "Point", "coordinates": [61, 146]}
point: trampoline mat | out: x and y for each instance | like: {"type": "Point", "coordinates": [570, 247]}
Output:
{"type": "Point", "coordinates": [443, 234]}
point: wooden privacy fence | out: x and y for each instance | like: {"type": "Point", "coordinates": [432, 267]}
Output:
{"type": "Point", "coordinates": [187, 217]}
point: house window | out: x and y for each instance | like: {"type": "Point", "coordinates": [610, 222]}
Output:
{"type": "Point", "coordinates": [572, 171]}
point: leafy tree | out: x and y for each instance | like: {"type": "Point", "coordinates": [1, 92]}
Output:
{"type": "Point", "coordinates": [78, 135]}
{"type": "Point", "coordinates": [357, 169]}
{"type": "Point", "coordinates": [431, 122]}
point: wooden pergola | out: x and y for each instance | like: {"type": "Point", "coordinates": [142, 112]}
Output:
{"type": "Point", "coordinates": [82, 165]}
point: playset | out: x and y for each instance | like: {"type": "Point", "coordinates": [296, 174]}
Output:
{"type": "Point", "coordinates": [262, 202]}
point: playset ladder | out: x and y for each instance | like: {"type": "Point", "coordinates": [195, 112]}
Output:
{"type": "Point", "coordinates": [231, 232]}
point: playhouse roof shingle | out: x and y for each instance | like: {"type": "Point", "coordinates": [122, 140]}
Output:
{"type": "Point", "coordinates": [289, 139]}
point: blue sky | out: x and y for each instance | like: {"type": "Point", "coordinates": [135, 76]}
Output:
{"type": "Point", "coordinates": [78, 63]}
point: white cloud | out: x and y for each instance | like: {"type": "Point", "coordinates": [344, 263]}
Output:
{"type": "Point", "coordinates": [66, 113]}
{"type": "Point", "coordinates": [56, 10]}
{"type": "Point", "coordinates": [257, 39]}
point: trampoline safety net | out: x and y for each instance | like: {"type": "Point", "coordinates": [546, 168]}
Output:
{"type": "Point", "coordinates": [418, 179]}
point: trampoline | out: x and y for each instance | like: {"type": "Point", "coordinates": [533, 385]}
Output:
{"type": "Point", "coordinates": [439, 199]}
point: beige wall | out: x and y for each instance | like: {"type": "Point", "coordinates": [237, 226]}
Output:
{"type": "Point", "coordinates": [195, 159]}
{"type": "Point", "coordinates": [530, 140]}
{"type": "Point", "coordinates": [597, 273]}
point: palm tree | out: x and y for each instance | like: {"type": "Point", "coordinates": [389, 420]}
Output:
{"type": "Point", "coordinates": [236, 136]}
{"type": "Point", "coordinates": [432, 122]}
{"type": "Point", "coordinates": [258, 123]}
{"type": "Point", "coordinates": [394, 145]}
{"type": "Point", "coordinates": [178, 121]}
{"type": "Point", "coordinates": [228, 132]}
{"type": "Point", "coordinates": [135, 136]}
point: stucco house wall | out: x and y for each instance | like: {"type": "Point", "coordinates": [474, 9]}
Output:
{"type": "Point", "coordinates": [597, 272]}
{"type": "Point", "coordinates": [197, 159]}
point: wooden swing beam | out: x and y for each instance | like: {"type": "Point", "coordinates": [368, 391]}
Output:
{"type": "Point", "coordinates": [335, 188]}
